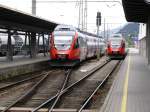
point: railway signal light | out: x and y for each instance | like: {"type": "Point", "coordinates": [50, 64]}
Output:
{"type": "Point", "coordinates": [98, 19]}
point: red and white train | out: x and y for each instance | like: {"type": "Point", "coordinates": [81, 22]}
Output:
{"type": "Point", "coordinates": [116, 47]}
{"type": "Point", "coordinates": [69, 44]}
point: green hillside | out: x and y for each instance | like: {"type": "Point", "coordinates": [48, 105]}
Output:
{"type": "Point", "coordinates": [131, 29]}
{"type": "Point", "coordinates": [130, 32]}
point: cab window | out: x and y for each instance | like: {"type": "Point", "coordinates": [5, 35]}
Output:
{"type": "Point", "coordinates": [76, 44]}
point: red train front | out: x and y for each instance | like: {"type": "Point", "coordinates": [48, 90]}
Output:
{"type": "Point", "coordinates": [116, 47]}
{"type": "Point", "coordinates": [64, 46]}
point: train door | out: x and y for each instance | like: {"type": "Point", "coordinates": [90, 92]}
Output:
{"type": "Point", "coordinates": [85, 47]}
{"type": "Point", "coordinates": [82, 48]}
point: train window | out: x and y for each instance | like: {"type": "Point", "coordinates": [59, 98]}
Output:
{"type": "Point", "coordinates": [115, 41]}
{"type": "Point", "coordinates": [64, 29]}
{"type": "Point", "coordinates": [84, 42]}
{"type": "Point", "coordinates": [123, 45]}
{"type": "Point", "coordinates": [117, 36]}
{"type": "Point", "coordinates": [63, 42]}
{"type": "Point", "coordinates": [108, 45]}
{"type": "Point", "coordinates": [76, 44]}
{"type": "Point", "coordinates": [81, 41]}
{"type": "Point", "coordinates": [63, 39]}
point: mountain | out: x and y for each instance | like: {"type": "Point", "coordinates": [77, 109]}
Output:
{"type": "Point", "coordinates": [108, 33]}
{"type": "Point", "coordinates": [130, 30]}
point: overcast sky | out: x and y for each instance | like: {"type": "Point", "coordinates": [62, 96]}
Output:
{"type": "Point", "coordinates": [67, 13]}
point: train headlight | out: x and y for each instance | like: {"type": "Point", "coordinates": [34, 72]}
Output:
{"type": "Point", "coordinates": [77, 53]}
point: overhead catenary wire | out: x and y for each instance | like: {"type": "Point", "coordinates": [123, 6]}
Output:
{"type": "Point", "coordinates": [74, 1]}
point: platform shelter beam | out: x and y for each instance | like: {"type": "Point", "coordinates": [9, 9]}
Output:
{"type": "Point", "coordinates": [148, 41]}
{"type": "Point", "coordinates": [33, 45]}
{"type": "Point", "coordinates": [9, 47]}
{"type": "Point", "coordinates": [44, 50]}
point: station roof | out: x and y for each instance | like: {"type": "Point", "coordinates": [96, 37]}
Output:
{"type": "Point", "coordinates": [17, 20]}
{"type": "Point", "coordinates": [136, 10]}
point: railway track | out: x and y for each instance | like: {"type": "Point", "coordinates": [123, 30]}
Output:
{"type": "Point", "coordinates": [27, 94]}
{"type": "Point", "coordinates": [32, 92]}
{"type": "Point", "coordinates": [80, 96]}
{"type": "Point", "coordinates": [16, 86]}
{"type": "Point", "coordinates": [51, 100]}
{"type": "Point", "coordinates": [89, 98]}
{"type": "Point", "coordinates": [10, 85]}
{"type": "Point", "coordinates": [65, 90]}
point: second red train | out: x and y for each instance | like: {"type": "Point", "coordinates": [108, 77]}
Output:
{"type": "Point", "coordinates": [116, 47]}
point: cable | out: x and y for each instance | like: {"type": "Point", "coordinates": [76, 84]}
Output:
{"type": "Point", "coordinates": [74, 1]}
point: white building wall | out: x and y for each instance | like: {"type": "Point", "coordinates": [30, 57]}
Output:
{"type": "Point", "coordinates": [142, 39]}
{"type": "Point", "coordinates": [142, 31]}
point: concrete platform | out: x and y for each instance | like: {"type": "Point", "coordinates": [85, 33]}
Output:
{"type": "Point", "coordinates": [130, 91]}
{"type": "Point", "coordinates": [22, 65]}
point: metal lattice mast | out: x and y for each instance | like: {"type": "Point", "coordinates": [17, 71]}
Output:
{"type": "Point", "coordinates": [34, 7]}
{"type": "Point", "coordinates": [82, 20]}
{"type": "Point", "coordinates": [85, 16]}
{"type": "Point", "coordinates": [82, 15]}
{"type": "Point", "coordinates": [79, 22]}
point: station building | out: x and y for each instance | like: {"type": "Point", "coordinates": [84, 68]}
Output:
{"type": "Point", "coordinates": [142, 39]}
{"type": "Point", "coordinates": [138, 11]}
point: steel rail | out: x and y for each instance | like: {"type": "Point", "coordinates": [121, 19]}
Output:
{"type": "Point", "coordinates": [19, 82]}
{"type": "Point", "coordinates": [97, 88]}
{"type": "Point", "coordinates": [59, 94]}
{"type": "Point", "coordinates": [28, 93]}
{"type": "Point", "coordinates": [71, 86]}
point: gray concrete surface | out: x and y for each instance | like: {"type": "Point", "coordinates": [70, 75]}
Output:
{"type": "Point", "coordinates": [138, 89]}
{"type": "Point", "coordinates": [22, 65]}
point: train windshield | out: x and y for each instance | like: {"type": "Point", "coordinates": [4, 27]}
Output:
{"type": "Point", "coordinates": [63, 42]}
{"type": "Point", "coordinates": [115, 43]}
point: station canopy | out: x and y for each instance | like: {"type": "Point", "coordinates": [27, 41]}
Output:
{"type": "Point", "coordinates": [136, 10]}
{"type": "Point", "coordinates": [17, 20]}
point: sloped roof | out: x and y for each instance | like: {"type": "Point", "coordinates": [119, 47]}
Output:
{"type": "Point", "coordinates": [14, 19]}
{"type": "Point", "coordinates": [136, 10]}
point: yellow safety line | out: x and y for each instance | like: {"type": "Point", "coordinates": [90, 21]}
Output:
{"type": "Point", "coordinates": [125, 89]}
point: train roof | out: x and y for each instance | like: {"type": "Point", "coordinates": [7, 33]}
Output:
{"type": "Point", "coordinates": [63, 27]}
{"type": "Point", "coordinates": [117, 39]}
{"type": "Point", "coordinates": [68, 28]}
{"type": "Point", "coordinates": [89, 34]}
{"type": "Point", "coordinates": [117, 35]}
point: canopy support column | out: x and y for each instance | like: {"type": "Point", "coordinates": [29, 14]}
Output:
{"type": "Point", "coordinates": [9, 47]}
{"type": "Point", "coordinates": [148, 41]}
{"type": "Point", "coordinates": [33, 45]}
